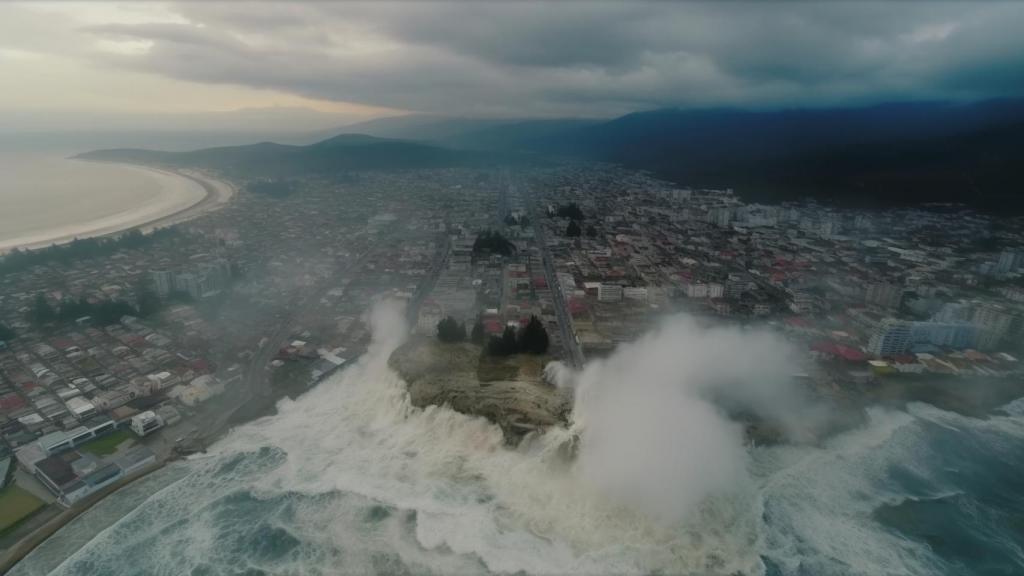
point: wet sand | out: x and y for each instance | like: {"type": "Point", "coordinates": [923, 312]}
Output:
{"type": "Point", "coordinates": [218, 193]}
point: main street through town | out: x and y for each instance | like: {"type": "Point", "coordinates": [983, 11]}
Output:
{"type": "Point", "coordinates": [574, 355]}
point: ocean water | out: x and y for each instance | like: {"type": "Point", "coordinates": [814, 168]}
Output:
{"type": "Point", "coordinates": [350, 478]}
{"type": "Point", "coordinates": [45, 197]}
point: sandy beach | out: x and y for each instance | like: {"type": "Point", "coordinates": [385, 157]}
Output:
{"type": "Point", "coordinates": [183, 195]}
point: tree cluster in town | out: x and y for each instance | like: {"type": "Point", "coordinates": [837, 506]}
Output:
{"type": "Point", "coordinates": [449, 330]}
{"type": "Point", "coordinates": [531, 339]}
{"type": "Point", "coordinates": [492, 242]}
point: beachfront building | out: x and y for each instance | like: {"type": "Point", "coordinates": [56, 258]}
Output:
{"type": "Point", "coordinates": [74, 475]}
{"type": "Point", "coordinates": [146, 422]}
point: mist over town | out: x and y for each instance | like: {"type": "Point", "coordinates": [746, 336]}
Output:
{"type": "Point", "coordinates": [495, 288]}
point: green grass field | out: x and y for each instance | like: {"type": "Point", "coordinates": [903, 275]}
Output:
{"type": "Point", "coordinates": [520, 366]}
{"type": "Point", "coordinates": [494, 369]}
{"type": "Point", "coordinates": [107, 444]}
{"type": "Point", "coordinates": [16, 504]}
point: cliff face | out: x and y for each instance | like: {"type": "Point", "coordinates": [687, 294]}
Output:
{"type": "Point", "coordinates": [507, 391]}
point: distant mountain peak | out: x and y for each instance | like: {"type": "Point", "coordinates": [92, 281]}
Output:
{"type": "Point", "coordinates": [343, 152]}
{"type": "Point", "coordinates": [351, 139]}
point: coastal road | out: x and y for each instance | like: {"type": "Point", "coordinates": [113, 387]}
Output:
{"type": "Point", "coordinates": [256, 374]}
{"type": "Point", "coordinates": [254, 393]}
{"type": "Point", "coordinates": [256, 378]}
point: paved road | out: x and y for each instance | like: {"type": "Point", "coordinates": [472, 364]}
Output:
{"type": "Point", "coordinates": [255, 383]}
{"type": "Point", "coordinates": [257, 377]}
{"type": "Point", "coordinates": [575, 355]}
{"type": "Point", "coordinates": [427, 285]}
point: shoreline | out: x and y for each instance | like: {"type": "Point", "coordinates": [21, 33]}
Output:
{"type": "Point", "coordinates": [253, 408]}
{"type": "Point", "coordinates": [259, 405]}
{"type": "Point", "coordinates": [217, 193]}
{"type": "Point", "coordinates": [22, 548]}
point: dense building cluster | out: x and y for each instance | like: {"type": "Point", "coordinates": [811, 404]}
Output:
{"type": "Point", "coordinates": [934, 288]}
{"type": "Point", "coordinates": [270, 292]}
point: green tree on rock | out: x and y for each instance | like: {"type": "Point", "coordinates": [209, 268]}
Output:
{"type": "Point", "coordinates": [534, 337]}
{"type": "Point", "coordinates": [508, 340]}
{"type": "Point", "coordinates": [505, 345]}
{"type": "Point", "coordinates": [449, 330]}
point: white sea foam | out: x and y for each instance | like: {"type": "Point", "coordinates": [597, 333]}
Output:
{"type": "Point", "coordinates": [352, 478]}
{"type": "Point", "coordinates": [820, 501]}
{"type": "Point", "coordinates": [525, 509]}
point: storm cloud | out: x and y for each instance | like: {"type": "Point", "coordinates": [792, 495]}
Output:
{"type": "Point", "coordinates": [582, 59]}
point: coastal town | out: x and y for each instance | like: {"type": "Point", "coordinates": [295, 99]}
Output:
{"type": "Point", "coordinates": [121, 354]}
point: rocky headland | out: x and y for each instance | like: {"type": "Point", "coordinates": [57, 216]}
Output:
{"type": "Point", "coordinates": [509, 391]}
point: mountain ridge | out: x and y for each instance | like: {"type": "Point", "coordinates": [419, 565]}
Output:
{"type": "Point", "coordinates": [268, 159]}
{"type": "Point", "coordinates": [882, 155]}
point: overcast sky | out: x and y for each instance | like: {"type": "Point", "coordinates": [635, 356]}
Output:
{"type": "Point", "coordinates": [84, 63]}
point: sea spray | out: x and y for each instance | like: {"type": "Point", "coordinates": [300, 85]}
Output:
{"type": "Point", "coordinates": [351, 478]}
{"type": "Point", "coordinates": [652, 419]}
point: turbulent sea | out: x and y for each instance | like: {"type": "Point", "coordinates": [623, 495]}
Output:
{"type": "Point", "coordinates": [350, 478]}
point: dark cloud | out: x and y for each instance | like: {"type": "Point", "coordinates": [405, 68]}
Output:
{"type": "Point", "coordinates": [591, 59]}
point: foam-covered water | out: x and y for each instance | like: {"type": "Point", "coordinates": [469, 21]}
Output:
{"type": "Point", "coordinates": [350, 478]}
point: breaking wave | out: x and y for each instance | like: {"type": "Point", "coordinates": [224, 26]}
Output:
{"type": "Point", "coordinates": [351, 478]}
